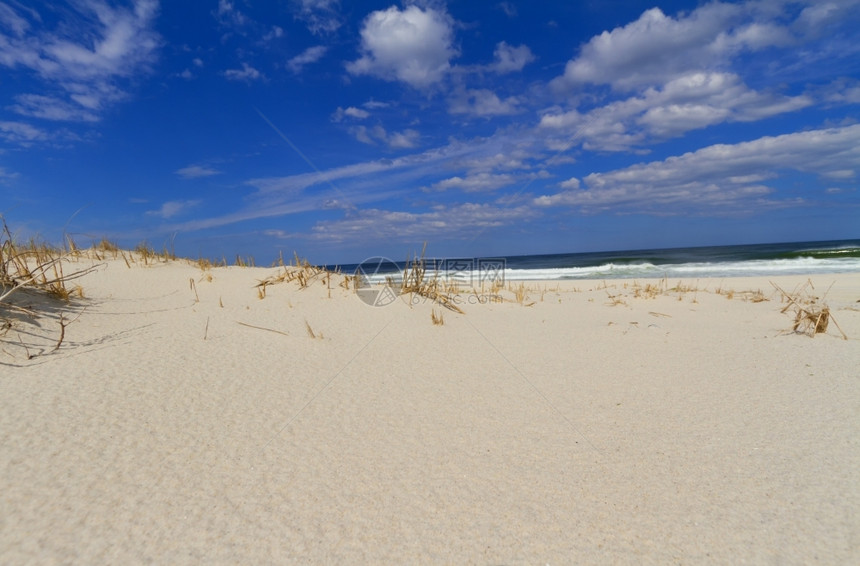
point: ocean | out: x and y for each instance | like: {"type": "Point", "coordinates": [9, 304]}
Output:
{"type": "Point", "coordinates": [796, 258]}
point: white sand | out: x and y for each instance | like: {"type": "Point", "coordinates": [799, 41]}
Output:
{"type": "Point", "coordinates": [570, 431]}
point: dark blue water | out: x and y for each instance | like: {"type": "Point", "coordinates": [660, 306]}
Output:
{"type": "Point", "coordinates": [837, 256]}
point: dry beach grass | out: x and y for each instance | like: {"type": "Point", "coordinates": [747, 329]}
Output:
{"type": "Point", "coordinates": [195, 412]}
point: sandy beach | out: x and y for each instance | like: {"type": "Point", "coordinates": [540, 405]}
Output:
{"type": "Point", "coordinates": [189, 417]}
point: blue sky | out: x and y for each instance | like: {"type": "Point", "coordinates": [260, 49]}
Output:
{"type": "Point", "coordinates": [344, 130]}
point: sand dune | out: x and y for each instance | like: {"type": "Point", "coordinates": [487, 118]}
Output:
{"type": "Point", "coordinates": [188, 423]}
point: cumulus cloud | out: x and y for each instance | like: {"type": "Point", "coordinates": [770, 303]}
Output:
{"type": "Point", "coordinates": [306, 57]}
{"type": "Point", "coordinates": [86, 61]}
{"type": "Point", "coordinates": [413, 45]}
{"type": "Point", "coordinates": [721, 175]}
{"type": "Point", "coordinates": [656, 48]}
{"type": "Point", "coordinates": [196, 171]}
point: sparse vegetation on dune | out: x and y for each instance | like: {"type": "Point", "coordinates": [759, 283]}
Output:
{"type": "Point", "coordinates": [303, 273]}
{"type": "Point", "coordinates": [35, 268]}
{"type": "Point", "coordinates": [41, 270]}
{"type": "Point", "coordinates": [811, 317]}
{"type": "Point", "coordinates": [416, 281]}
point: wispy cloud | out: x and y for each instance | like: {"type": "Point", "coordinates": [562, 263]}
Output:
{"type": "Point", "coordinates": [20, 133]}
{"type": "Point", "coordinates": [196, 171]}
{"type": "Point", "coordinates": [306, 57]}
{"type": "Point", "coordinates": [688, 102]}
{"type": "Point", "coordinates": [6, 176]}
{"type": "Point", "coordinates": [85, 61]}
{"type": "Point", "coordinates": [350, 112]}
{"type": "Point", "coordinates": [321, 17]}
{"type": "Point", "coordinates": [407, 138]}
{"type": "Point", "coordinates": [443, 222]}
{"type": "Point", "coordinates": [475, 182]}
{"type": "Point", "coordinates": [715, 177]}
{"type": "Point", "coordinates": [173, 208]}
{"type": "Point", "coordinates": [247, 73]}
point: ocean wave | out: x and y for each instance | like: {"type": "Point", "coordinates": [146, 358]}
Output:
{"type": "Point", "coordinates": [710, 263]}
{"type": "Point", "coordinates": [796, 266]}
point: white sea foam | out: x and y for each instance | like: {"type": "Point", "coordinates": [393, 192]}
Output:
{"type": "Point", "coordinates": [797, 266]}
{"type": "Point", "coordinates": [739, 268]}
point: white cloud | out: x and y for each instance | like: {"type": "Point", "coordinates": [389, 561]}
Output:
{"type": "Point", "coordinates": [52, 108]}
{"type": "Point", "coordinates": [12, 21]}
{"type": "Point", "coordinates": [572, 183]}
{"type": "Point", "coordinates": [246, 73]}
{"type": "Point", "coordinates": [509, 59]}
{"type": "Point", "coordinates": [656, 48]}
{"type": "Point", "coordinates": [356, 112]}
{"type": "Point", "coordinates": [276, 32]}
{"type": "Point", "coordinates": [413, 46]}
{"type": "Point", "coordinates": [7, 175]}
{"type": "Point", "coordinates": [306, 57]}
{"type": "Point", "coordinates": [476, 182]}
{"type": "Point", "coordinates": [85, 60]}
{"type": "Point", "coordinates": [351, 112]}
{"type": "Point", "coordinates": [320, 16]}
{"type": "Point", "coordinates": [229, 15]}
{"type": "Point", "coordinates": [508, 8]}
{"type": "Point", "coordinates": [196, 171]}
{"type": "Point", "coordinates": [686, 103]}
{"type": "Point", "coordinates": [173, 208]}
{"type": "Point", "coordinates": [375, 104]}
{"type": "Point", "coordinates": [842, 174]}
{"type": "Point", "coordinates": [402, 140]}
{"type": "Point", "coordinates": [651, 50]}
{"type": "Point", "coordinates": [482, 102]}
{"type": "Point", "coordinates": [22, 134]}
{"type": "Point", "coordinates": [442, 221]}
{"type": "Point", "coordinates": [398, 140]}
{"type": "Point", "coordinates": [723, 176]}
{"type": "Point", "coordinates": [198, 62]}
{"type": "Point", "coordinates": [819, 16]}
{"type": "Point", "coordinates": [842, 91]}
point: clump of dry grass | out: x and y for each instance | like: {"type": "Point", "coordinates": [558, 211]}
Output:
{"type": "Point", "coordinates": [304, 274]}
{"type": "Point", "coordinates": [521, 294]}
{"type": "Point", "coordinates": [649, 290]}
{"type": "Point", "coordinates": [438, 320]}
{"type": "Point", "coordinates": [416, 281]}
{"type": "Point", "coordinates": [35, 267]}
{"type": "Point", "coordinates": [810, 317]}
